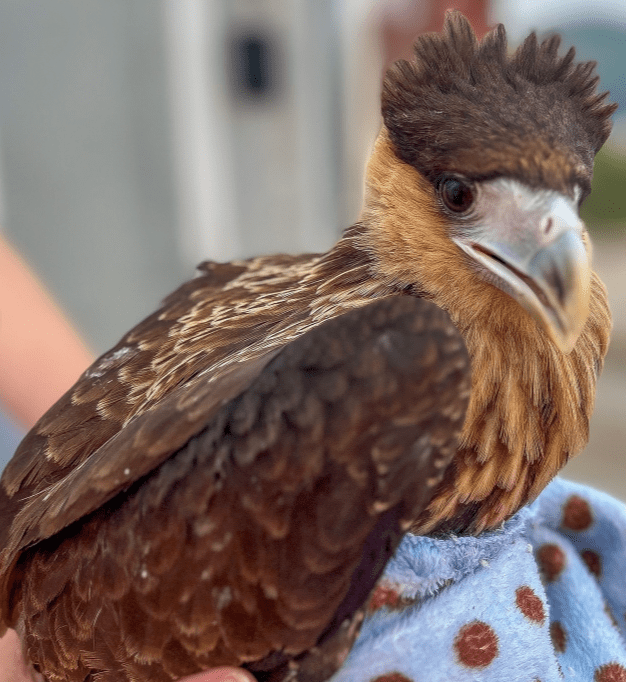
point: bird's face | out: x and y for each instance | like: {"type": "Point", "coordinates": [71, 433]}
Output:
{"type": "Point", "coordinates": [494, 249]}
{"type": "Point", "coordinates": [510, 262]}
{"type": "Point", "coordinates": [529, 243]}
{"type": "Point", "coordinates": [490, 153]}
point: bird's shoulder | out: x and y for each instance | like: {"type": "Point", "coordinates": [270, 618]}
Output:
{"type": "Point", "coordinates": [157, 386]}
{"type": "Point", "coordinates": [197, 327]}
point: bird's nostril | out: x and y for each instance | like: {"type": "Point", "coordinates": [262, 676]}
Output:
{"type": "Point", "coordinates": [548, 225]}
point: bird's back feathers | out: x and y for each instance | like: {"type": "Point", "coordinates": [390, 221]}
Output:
{"type": "Point", "coordinates": [194, 353]}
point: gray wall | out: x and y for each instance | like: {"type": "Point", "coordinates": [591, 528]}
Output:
{"type": "Point", "coordinates": [127, 157]}
{"type": "Point", "coordinates": [85, 144]}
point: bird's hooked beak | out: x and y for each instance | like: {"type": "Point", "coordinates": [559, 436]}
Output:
{"type": "Point", "coordinates": [530, 244]}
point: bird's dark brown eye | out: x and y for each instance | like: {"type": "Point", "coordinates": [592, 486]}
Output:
{"type": "Point", "coordinates": [457, 194]}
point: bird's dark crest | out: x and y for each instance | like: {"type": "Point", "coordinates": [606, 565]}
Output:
{"type": "Point", "coordinates": [534, 115]}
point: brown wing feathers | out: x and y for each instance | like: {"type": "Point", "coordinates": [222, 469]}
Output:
{"type": "Point", "coordinates": [167, 374]}
{"type": "Point", "coordinates": [247, 544]}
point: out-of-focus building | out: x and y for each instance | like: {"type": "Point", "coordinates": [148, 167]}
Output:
{"type": "Point", "coordinates": [257, 124]}
{"type": "Point", "coordinates": [139, 138]}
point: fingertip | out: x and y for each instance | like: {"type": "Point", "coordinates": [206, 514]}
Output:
{"type": "Point", "coordinates": [221, 675]}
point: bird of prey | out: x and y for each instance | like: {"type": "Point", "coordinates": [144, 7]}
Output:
{"type": "Point", "coordinates": [225, 485]}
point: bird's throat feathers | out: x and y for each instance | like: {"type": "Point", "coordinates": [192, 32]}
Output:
{"type": "Point", "coordinates": [529, 413]}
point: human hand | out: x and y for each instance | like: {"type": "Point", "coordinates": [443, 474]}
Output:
{"type": "Point", "coordinates": [14, 669]}
{"type": "Point", "coordinates": [221, 675]}
{"type": "Point", "coordinates": [12, 665]}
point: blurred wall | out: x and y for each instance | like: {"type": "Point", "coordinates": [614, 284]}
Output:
{"type": "Point", "coordinates": [257, 125]}
{"type": "Point", "coordinates": [86, 155]}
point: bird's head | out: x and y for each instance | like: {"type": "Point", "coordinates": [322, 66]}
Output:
{"type": "Point", "coordinates": [477, 176]}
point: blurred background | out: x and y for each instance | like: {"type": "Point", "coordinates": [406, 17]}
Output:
{"type": "Point", "coordinates": [138, 138]}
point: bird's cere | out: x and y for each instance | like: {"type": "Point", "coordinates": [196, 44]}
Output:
{"type": "Point", "coordinates": [530, 244]}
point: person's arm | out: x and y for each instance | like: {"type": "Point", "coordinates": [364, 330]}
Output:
{"type": "Point", "coordinates": [41, 355]}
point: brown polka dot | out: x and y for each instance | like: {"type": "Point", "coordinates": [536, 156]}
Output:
{"type": "Point", "coordinates": [476, 644]}
{"type": "Point", "coordinates": [593, 561]}
{"type": "Point", "coordinates": [576, 514]}
{"type": "Point", "coordinates": [392, 677]}
{"type": "Point", "coordinates": [558, 636]}
{"type": "Point", "coordinates": [384, 596]}
{"type": "Point", "coordinates": [530, 604]}
{"type": "Point", "coordinates": [551, 559]}
{"type": "Point", "coordinates": [611, 672]}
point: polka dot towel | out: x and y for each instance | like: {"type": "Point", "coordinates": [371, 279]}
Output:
{"type": "Point", "coordinates": [542, 599]}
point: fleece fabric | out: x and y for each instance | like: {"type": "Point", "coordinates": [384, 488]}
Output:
{"type": "Point", "coordinates": [541, 599]}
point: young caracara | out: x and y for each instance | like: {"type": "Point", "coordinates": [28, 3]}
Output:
{"type": "Point", "coordinates": [225, 485]}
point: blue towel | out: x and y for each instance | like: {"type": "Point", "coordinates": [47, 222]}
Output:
{"type": "Point", "coordinates": [541, 599]}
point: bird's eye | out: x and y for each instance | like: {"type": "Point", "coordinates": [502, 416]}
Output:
{"type": "Point", "coordinates": [456, 193]}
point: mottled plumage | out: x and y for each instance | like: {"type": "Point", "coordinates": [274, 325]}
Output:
{"type": "Point", "coordinates": [265, 532]}
{"type": "Point", "coordinates": [225, 485]}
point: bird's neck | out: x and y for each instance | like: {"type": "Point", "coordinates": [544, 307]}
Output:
{"type": "Point", "coordinates": [529, 413]}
